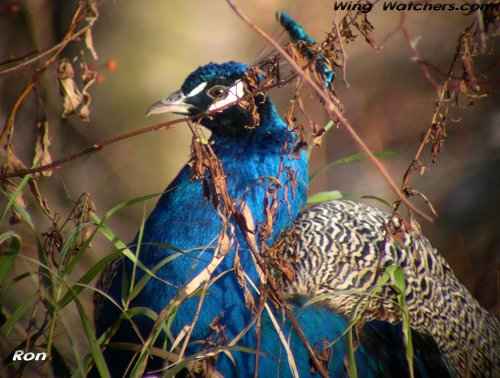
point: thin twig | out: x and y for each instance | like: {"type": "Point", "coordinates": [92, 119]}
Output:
{"type": "Point", "coordinates": [393, 32]}
{"type": "Point", "coordinates": [57, 163]}
{"type": "Point", "coordinates": [345, 57]}
{"type": "Point", "coordinates": [42, 54]}
{"type": "Point", "coordinates": [418, 59]}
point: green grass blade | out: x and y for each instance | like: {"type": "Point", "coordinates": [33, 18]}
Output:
{"type": "Point", "coordinates": [9, 254]}
{"type": "Point", "coordinates": [94, 344]}
{"type": "Point", "coordinates": [324, 197]}
{"type": "Point", "coordinates": [146, 278]}
{"type": "Point", "coordinates": [82, 283]}
{"type": "Point", "coordinates": [12, 200]}
{"type": "Point", "coordinates": [11, 321]}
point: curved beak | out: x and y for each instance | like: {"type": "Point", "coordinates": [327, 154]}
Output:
{"type": "Point", "coordinates": [173, 103]}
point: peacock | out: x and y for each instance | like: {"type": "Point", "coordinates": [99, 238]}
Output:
{"type": "Point", "coordinates": [288, 309]}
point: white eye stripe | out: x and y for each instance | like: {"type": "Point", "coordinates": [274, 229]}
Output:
{"type": "Point", "coordinates": [234, 93]}
{"type": "Point", "coordinates": [197, 89]}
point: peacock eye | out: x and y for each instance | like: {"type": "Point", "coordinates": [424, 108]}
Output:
{"type": "Point", "coordinates": [218, 92]}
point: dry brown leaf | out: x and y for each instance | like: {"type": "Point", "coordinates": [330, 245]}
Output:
{"type": "Point", "coordinates": [345, 30]}
{"type": "Point", "coordinates": [88, 78]}
{"type": "Point", "coordinates": [38, 196]}
{"type": "Point", "coordinates": [245, 219]}
{"type": "Point", "coordinates": [240, 277]}
{"type": "Point", "coordinates": [324, 355]}
{"type": "Point", "coordinates": [224, 243]}
{"type": "Point", "coordinates": [270, 208]}
{"type": "Point", "coordinates": [366, 29]}
{"type": "Point", "coordinates": [53, 241]}
{"type": "Point", "coordinates": [68, 88]}
{"type": "Point", "coordinates": [12, 163]}
{"type": "Point", "coordinates": [250, 85]}
{"type": "Point", "coordinates": [42, 143]}
{"type": "Point", "coordinates": [412, 192]}
{"type": "Point", "coordinates": [396, 229]}
{"type": "Point", "coordinates": [318, 137]}
{"type": "Point", "coordinates": [82, 213]}
{"type": "Point", "coordinates": [198, 169]}
{"type": "Point", "coordinates": [468, 50]}
{"type": "Point", "coordinates": [288, 270]}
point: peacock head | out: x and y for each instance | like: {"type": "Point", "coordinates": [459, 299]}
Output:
{"type": "Point", "coordinates": [214, 88]}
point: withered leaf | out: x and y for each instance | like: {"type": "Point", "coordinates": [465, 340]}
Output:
{"type": "Point", "coordinates": [82, 213]}
{"type": "Point", "coordinates": [397, 228]}
{"type": "Point", "coordinates": [245, 219]}
{"type": "Point", "coordinates": [68, 88]}
{"type": "Point", "coordinates": [42, 143]}
{"type": "Point", "coordinates": [250, 83]}
{"type": "Point", "coordinates": [216, 325]}
{"type": "Point", "coordinates": [468, 50]}
{"type": "Point", "coordinates": [345, 30]}
{"type": "Point", "coordinates": [224, 243]}
{"type": "Point", "coordinates": [12, 163]}
{"type": "Point", "coordinates": [366, 29]}
{"type": "Point", "coordinates": [324, 355]}
{"type": "Point", "coordinates": [413, 192]}
{"type": "Point", "coordinates": [196, 163]}
{"type": "Point", "coordinates": [88, 78]}
{"type": "Point", "coordinates": [240, 277]}
{"type": "Point", "coordinates": [318, 137]}
{"type": "Point", "coordinates": [38, 196]}
{"type": "Point", "coordinates": [288, 271]}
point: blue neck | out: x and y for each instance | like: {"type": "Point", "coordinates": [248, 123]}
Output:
{"type": "Point", "coordinates": [185, 219]}
{"type": "Point", "coordinates": [251, 161]}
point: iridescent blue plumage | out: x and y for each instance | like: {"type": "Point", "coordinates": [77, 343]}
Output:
{"type": "Point", "coordinates": [186, 219]}
{"type": "Point", "coordinates": [297, 33]}
{"type": "Point", "coordinates": [256, 161]}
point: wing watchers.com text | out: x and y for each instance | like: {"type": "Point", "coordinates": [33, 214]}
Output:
{"type": "Point", "coordinates": [417, 6]}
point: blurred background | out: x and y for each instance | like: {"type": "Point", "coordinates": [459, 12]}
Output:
{"type": "Point", "coordinates": [147, 48]}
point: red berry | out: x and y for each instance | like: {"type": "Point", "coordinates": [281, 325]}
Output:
{"type": "Point", "coordinates": [13, 8]}
{"type": "Point", "coordinates": [111, 65]}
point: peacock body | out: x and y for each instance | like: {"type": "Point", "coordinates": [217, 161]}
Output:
{"type": "Point", "coordinates": [338, 246]}
{"type": "Point", "coordinates": [342, 246]}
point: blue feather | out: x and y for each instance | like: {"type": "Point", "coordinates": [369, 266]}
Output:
{"type": "Point", "coordinates": [297, 33]}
